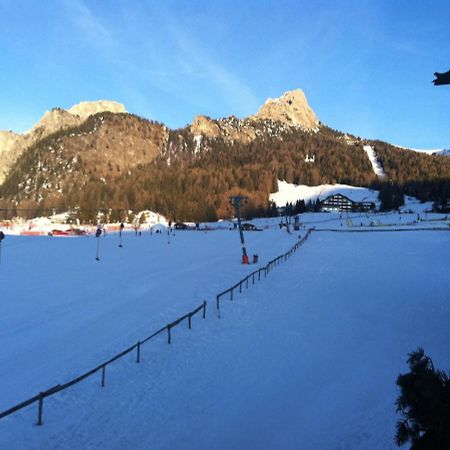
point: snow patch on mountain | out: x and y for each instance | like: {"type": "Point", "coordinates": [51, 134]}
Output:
{"type": "Point", "coordinates": [290, 193]}
{"type": "Point", "coordinates": [433, 151]}
{"type": "Point", "coordinates": [376, 166]}
{"type": "Point", "coordinates": [445, 152]}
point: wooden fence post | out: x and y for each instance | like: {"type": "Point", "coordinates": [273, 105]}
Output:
{"type": "Point", "coordinates": [218, 306]}
{"type": "Point", "coordinates": [231, 294]}
{"type": "Point", "coordinates": [189, 320]}
{"type": "Point", "coordinates": [40, 408]}
{"type": "Point", "coordinates": [138, 355]}
{"type": "Point", "coordinates": [169, 340]}
{"type": "Point", "coordinates": [103, 375]}
{"type": "Point", "coordinates": [204, 309]}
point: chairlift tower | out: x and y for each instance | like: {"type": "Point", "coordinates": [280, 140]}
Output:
{"type": "Point", "coordinates": [237, 201]}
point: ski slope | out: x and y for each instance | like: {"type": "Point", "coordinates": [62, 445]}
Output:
{"type": "Point", "coordinates": [305, 358]}
{"type": "Point", "coordinates": [376, 166]}
{"type": "Point", "coordinates": [290, 193]}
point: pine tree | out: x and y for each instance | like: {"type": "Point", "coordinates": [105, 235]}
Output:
{"type": "Point", "coordinates": [424, 404]}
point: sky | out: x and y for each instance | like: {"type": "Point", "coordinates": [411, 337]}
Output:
{"type": "Point", "coordinates": [365, 66]}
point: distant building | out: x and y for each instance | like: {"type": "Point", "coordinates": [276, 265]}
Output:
{"type": "Point", "coordinates": [181, 226]}
{"type": "Point", "coordinates": [341, 203]}
{"type": "Point", "coordinates": [365, 206]}
{"type": "Point", "coordinates": [337, 203]}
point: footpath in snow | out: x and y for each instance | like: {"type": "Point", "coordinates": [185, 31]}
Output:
{"type": "Point", "coordinates": [306, 358]}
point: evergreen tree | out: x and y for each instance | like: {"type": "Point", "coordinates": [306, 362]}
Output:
{"type": "Point", "coordinates": [424, 404]}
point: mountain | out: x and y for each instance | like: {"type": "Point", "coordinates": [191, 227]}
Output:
{"type": "Point", "coordinates": [12, 145]}
{"type": "Point", "coordinates": [97, 156]}
{"type": "Point", "coordinates": [291, 109]}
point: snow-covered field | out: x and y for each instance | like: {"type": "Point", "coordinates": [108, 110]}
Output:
{"type": "Point", "coordinates": [307, 358]}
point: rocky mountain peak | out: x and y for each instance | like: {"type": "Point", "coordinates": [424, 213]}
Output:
{"type": "Point", "coordinates": [13, 145]}
{"type": "Point", "coordinates": [54, 120]}
{"type": "Point", "coordinates": [86, 109]}
{"type": "Point", "coordinates": [291, 108]}
{"type": "Point", "coordinates": [205, 125]}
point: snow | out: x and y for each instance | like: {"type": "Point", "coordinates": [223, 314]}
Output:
{"type": "Point", "coordinates": [445, 152]}
{"type": "Point", "coordinates": [306, 358]}
{"type": "Point", "coordinates": [376, 166]}
{"type": "Point", "coordinates": [290, 193]}
{"type": "Point", "coordinates": [421, 150]}
{"type": "Point", "coordinates": [43, 226]}
{"type": "Point", "coordinates": [198, 141]}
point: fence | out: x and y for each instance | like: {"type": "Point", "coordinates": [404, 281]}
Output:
{"type": "Point", "coordinates": [102, 367]}
{"type": "Point", "coordinates": [168, 328]}
{"type": "Point", "coordinates": [270, 265]}
{"type": "Point", "coordinates": [387, 230]}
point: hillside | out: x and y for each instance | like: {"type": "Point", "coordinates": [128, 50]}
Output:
{"type": "Point", "coordinates": [115, 160]}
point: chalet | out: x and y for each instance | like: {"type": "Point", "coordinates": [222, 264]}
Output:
{"type": "Point", "coordinates": [341, 203]}
{"type": "Point", "coordinates": [337, 203]}
{"type": "Point", "coordinates": [365, 206]}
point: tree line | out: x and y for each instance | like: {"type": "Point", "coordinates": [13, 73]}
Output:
{"type": "Point", "coordinates": [194, 182]}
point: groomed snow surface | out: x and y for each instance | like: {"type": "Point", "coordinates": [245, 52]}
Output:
{"type": "Point", "coordinates": [306, 358]}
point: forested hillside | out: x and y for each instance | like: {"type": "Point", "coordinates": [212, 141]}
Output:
{"type": "Point", "coordinates": [121, 161]}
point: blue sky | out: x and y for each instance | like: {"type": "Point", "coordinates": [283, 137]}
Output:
{"type": "Point", "coordinates": [365, 66]}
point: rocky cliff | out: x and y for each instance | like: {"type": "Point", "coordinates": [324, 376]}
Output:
{"type": "Point", "coordinates": [12, 145]}
{"type": "Point", "coordinates": [291, 108]}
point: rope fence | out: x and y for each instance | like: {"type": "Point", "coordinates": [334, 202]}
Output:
{"type": "Point", "coordinates": [375, 230]}
{"type": "Point", "coordinates": [251, 278]}
{"type": "Point", "coordinates": [257, 273]}
{"type": "Point", "coordinates": [102, 367]}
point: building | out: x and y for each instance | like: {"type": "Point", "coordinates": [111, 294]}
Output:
{"type": "Point", "coordinates": [341, 203]}
{"type": "Point", "coordinates": [365, 206]}
{"type": "Point", "coordinates": [337, 203]}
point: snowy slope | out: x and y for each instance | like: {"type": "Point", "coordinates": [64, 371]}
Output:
{"type": "Point", "coordinates": [376, 166]}
{"type": "Point", "coordinates": [434, 151]}
{"type": "Point", "coordinates": [290, 193]}
{"type": "Point", "coordinates": [306, 358]}
{"type": "Point", "coordinates": [442, 152]}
